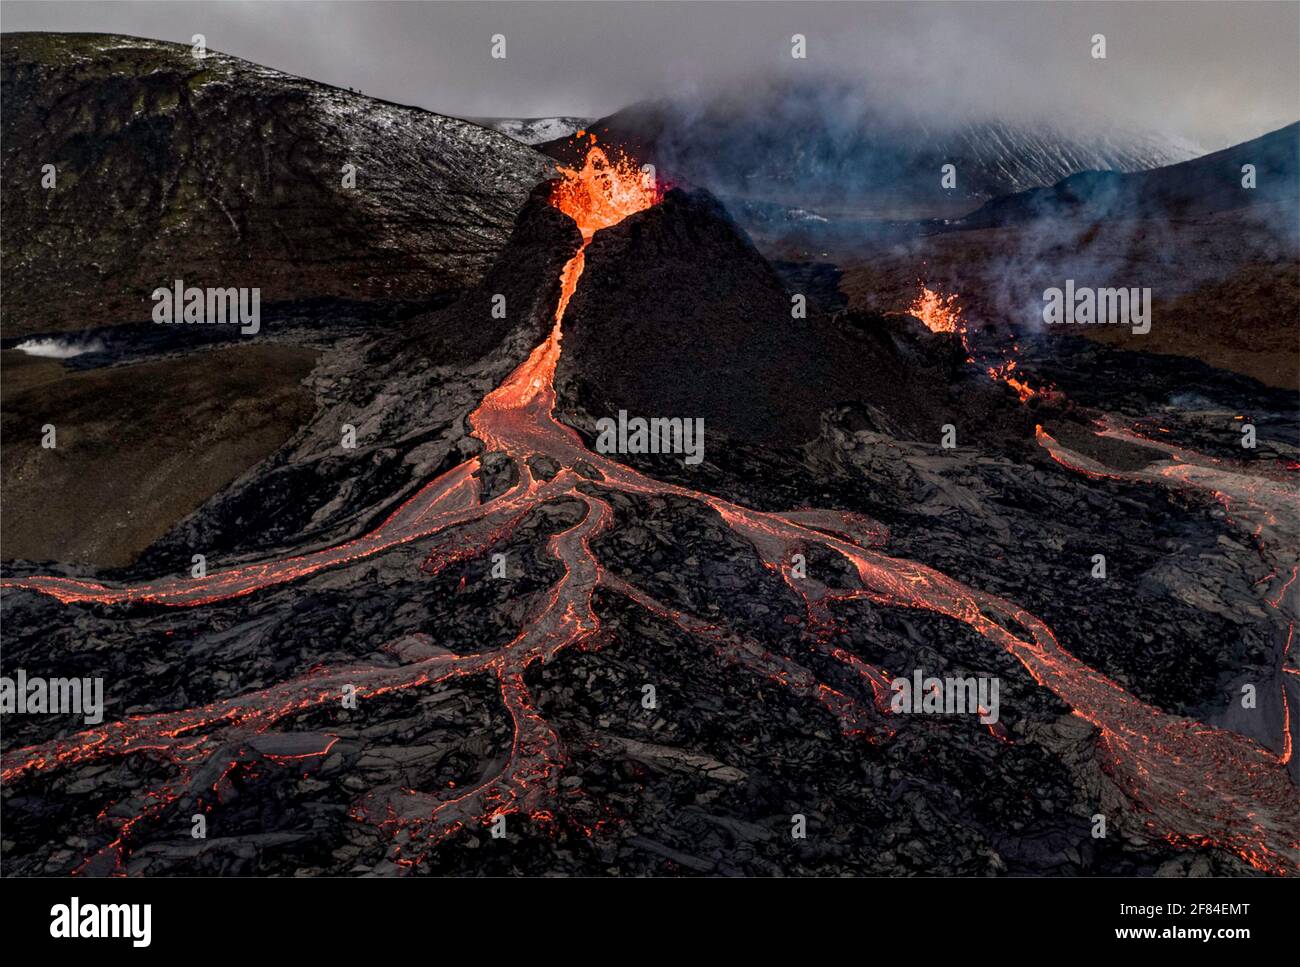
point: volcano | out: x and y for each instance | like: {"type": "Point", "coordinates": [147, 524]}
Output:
{"type": "Point", "coordinates": [681, 314]}
{"type": "Point", "coordinates": [699, 490]}
{"type": "Point", "coordinates": [486, 630]}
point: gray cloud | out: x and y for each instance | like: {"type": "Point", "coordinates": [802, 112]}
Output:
{"type": "Point", "coordinates": [1215, 73]}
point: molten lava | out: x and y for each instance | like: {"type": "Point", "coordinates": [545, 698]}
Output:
{"type": "Point", "coordinates": [602, 192]}
{"type": "Point", "coordinates": [944, 314]}
{"type": "Point", "coordinates": [599, 194]}
{"type": "Point", "coordinates": [938, 313]}
{"type": "Point", "coordinates": [1004, 374]}
{"type": "Point", "coordinates": [1189, 783]}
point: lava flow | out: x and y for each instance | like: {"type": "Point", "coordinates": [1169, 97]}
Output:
{"type": "Point", "coordinates": [1259, 500]}
{"type": "Point", "coordinates": [1186, 782]}
{"type": "Point", "coordinates": [944, 315]}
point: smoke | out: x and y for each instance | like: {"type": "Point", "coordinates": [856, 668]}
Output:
{"type": "Point", "coordinates": [1001, 272]}
{"type": "Point", "coordinates": [51, 348]}
{"type": "Point", "coordinates": [828, 141]}
{"type": "Point", "coordinates": [1174, 231]}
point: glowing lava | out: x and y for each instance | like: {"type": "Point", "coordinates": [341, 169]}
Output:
{"type": "Point", "coordinates": [1186, 782]}
{"type": "Point", "coordinates": [1258, 499]}
{"type": "Point", "coordinates": [944, 314]}
{"type": "Point", "coordinates": [517, 414]}
{"type": "Point", "coordinates": [939, 314]}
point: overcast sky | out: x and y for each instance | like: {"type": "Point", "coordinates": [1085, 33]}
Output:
{"type": "Point", "coordinates": [1216, 73]}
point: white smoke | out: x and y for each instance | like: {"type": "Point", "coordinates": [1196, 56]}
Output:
{"type": "Point", "coordinates": [60, 348]}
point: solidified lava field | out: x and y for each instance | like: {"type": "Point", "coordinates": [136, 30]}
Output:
{"type": "Point", "coordinates": [385, 701]}
{"type": "Point", "coordinates": [481, 643]}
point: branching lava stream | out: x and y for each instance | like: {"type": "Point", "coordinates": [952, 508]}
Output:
{"type": "Point", "coordinates": [1187, 782]}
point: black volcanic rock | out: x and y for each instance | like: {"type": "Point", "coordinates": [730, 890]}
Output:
{"type": "Point", "coordinates": [707, 782]}
{"type": "Point", "coordinates": [224, 173]}
{"type": "Point", "coordinates": [678, 315]}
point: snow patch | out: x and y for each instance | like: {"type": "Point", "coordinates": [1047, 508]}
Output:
{"type": "Point", "coordinates": [537, 130]}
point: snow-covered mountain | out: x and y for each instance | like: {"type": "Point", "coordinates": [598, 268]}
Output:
{"type": "Point", "coordinates": [536, 130]}
{"type": "Point", "coordinates": [1201, 186]}
{"type": "Point", "coordinates": [1028, 156]}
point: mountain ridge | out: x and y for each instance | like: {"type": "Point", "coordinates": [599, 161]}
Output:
{"type": "Point", "coordinates": [1199, 186]}
{"type": "Point", "coordinates": [232, 174]}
